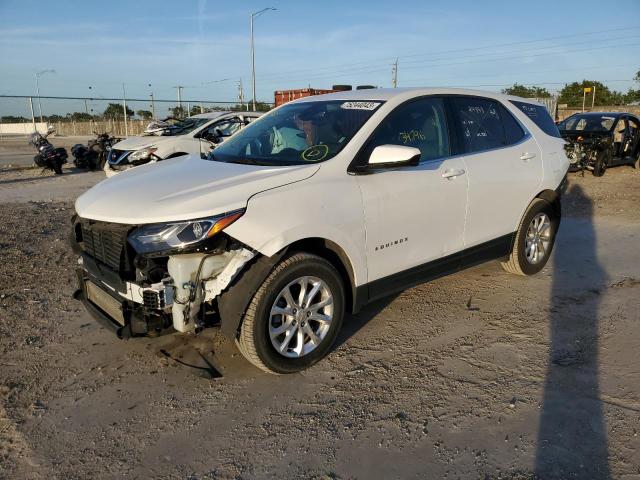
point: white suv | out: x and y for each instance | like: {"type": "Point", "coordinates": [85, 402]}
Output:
{"type": "Point", "coordinates": [195, 135]}
{"type": "Point", "coordinates": [317, 208]}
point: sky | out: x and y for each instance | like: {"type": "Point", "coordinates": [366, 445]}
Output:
{"type": "Point", "coordinates": [94, 47]}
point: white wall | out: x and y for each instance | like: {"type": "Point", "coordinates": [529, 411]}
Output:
{"type": "Point", "coordinates": [22, 128]}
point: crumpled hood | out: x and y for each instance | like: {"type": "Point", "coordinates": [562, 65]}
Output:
{"type": "Point", "coordinates": [139, 142]}
{"type": "Point", "coordinates": [181, 189]}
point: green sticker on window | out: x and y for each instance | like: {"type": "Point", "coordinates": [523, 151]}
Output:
{"type": "Point", "coordinates": [315, 153]}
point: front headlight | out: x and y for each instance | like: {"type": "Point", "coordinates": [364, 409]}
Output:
{"type": "Point", "coordinates": [163, 237]}
{"type": "Point", "coordinates": [141, 155]}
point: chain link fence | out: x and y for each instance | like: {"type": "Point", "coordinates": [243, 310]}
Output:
{"type": "Point", "coordinates": [84, 116]}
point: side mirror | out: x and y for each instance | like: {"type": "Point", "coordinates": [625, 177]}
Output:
{"type": "Point", "coordinates": [392, 156]}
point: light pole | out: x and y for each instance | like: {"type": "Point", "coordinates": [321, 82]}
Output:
{"type": "Point", "coordinates": [253, 54]}
{"type": "Point", "coordinates": [38, 75]}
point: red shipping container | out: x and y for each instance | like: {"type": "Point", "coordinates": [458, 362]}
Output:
{"type": "Point", "coordinates": [284, 96]}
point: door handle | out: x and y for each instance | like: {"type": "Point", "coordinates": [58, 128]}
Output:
{"type": "Point", "coordinates": [451, 174]}
{"type": "Point", "coordinates": [527, 156]}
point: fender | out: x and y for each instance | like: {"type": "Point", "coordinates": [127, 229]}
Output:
{"type": "Point", "coordinates": [233, 302]}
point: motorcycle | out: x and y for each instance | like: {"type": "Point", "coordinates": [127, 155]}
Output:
{"type": "Point", "coordinates": [48, 156]}
{"type": "Point", "coordinates": [93, 156]}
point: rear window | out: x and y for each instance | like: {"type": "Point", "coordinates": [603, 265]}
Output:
{"type": "Point", "coordinates": [540, 116]}
{"type": "Point", "coordinates": [485, 124]}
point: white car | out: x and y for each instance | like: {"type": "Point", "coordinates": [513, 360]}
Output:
{"type": "Point", "coordinates": [317, 208]}
{"type": "Point", "coordinates": [195, 135]}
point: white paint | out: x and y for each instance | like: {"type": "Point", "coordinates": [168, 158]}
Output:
{"type": "Point", "coordinates": [183, 270]}
{"type": "Point", "coordinates": [189, 143]}
{"type": "Point", "coordinates": [437, 210]}
{"type": "Point", "coordinates": [22, 128]}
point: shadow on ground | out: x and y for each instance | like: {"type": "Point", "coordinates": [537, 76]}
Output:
{"type": "Point", "coordinates": [572, 436]}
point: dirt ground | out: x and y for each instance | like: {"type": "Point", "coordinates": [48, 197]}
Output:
{"type": "Point", "coordinates": [480, 374]}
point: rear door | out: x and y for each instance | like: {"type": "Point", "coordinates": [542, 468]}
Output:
{"type": "Point", "coordinates": [413, 215]}
{"type": "Point", "coordinates": [504, 168]}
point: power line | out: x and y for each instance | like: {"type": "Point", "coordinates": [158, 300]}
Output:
{"type": "Point", "coordinates": [352, 65]}
{"type": "Point", "coordinates": [381, 69]}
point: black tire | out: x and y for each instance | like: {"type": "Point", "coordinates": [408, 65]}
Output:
{"type": "Point", "coordinates": [254, 341]}
{"type": "Point", "coordinates": [603, 160]}
{"type": "Point", "coordinates": [518, 263]}
{"type": "Point", "coordinates": [92, 161]}
{"type": "Point", "coordinates": [57, 167]}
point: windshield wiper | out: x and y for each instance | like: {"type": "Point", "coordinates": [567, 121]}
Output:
{"type": "Point", "coordinates": [251, 161]}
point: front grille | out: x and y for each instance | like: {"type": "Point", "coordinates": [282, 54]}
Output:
{"type": "Point", "coordinates": [152, 300]}
{"type": "Point", "coordinates": [105, 242]}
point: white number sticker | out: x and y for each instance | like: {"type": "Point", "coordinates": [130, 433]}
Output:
{"type": "Point", "coordinates": [360, 105]}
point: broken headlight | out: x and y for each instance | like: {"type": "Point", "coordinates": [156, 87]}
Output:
{"type": "Point", "coordinates": [164, 237]}
{"type": "Point", "coordinates": [143, 155]}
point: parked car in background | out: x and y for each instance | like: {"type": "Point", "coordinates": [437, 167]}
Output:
{"type": "Point", "coordinates": [598, 140]}
{"type": "Point", "coordinates": [194, 135]}
{"type": "Point", "coordinates": [322, 206]}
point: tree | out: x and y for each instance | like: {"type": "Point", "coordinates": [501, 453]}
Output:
{"type": "Point", "coordinates": [637, 76]}
{"type": "Point", "coordinates": [527, 92]}
{"type": "Point", "coordinates": [195, 110]}
{"type": "Point", "coordinates": [178, 111]}
{"type": "Point", "coordinates": [54, 118]}
{"type": "Point", "coordinates": [145, 114]}
{"type": "Point", "coordinates": [631, 96]}
{"type": "Point", "coordinates": [80, 116]}
{"type": "Point", "coordinates": [114, 112]}
{"type": "Point", "coordinates": [13, 119]}
{"type": "Point", "coordinates": [572, 94]}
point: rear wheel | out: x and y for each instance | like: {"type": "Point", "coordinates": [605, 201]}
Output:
{"type": "Point", "coordinates": [603, 160]}
{"type": "Point", "coordinates": [57, 166]}
{"type": "Point", "coordinates": [295, 316]}
{"type": "Point", "coordinates": [534, 239]}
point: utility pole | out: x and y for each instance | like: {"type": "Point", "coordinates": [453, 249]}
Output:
{"type": "Point", "coordinates": [394, 73]}
{"type": "Point", "coordinates": [124, 109]}
{"type": "Point", "coordinates": [33, 117]}
{"type": "Point", "coordinates": [593, 99]}
{"type": "Point", "coordinates": [253, 54]}
{"type": "Point", "coordinates": [37, 75]}
{"type": "Point", "coordinates": [86, 107]}
{"type": "Point", "coordinates": [241, 94]}
{"type": "Point", "coordinates": [179, 87]}
{"type": "Point", "coordinates": [153, 107]}
{"type": "Point", "coordinates": [38, 93]}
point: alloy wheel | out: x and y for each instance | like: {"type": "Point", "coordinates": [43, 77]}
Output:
{"type": "Point", "coordinates": [538, 238]}
{"type": "Point", "coordinates": [301, 316]}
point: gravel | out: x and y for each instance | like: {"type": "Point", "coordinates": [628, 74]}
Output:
{"type": "Point", "coordinates": [481, 374]}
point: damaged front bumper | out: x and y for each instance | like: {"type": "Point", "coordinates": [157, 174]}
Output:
{"type": "Point", "coordinates": [135, 296]}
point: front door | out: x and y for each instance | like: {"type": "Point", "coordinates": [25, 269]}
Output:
{"type": "Point", "coordinates": [413, 215]}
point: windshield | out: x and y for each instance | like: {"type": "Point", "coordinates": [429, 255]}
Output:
{"type": "Point", "coordinates": [588, 123]}
{"type": "Point", "coordinates": [185, 126]}
{"type": "Point", "coordinates": [297, 133]}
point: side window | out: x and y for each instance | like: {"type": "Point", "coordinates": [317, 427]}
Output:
{"type": "Point", "coordinates": [539, 115]}
{"type": "Point", "coordinates": [420, 123]}
{"type": "Point", "coordinates": [480, 123]}
{"type": "Point", "coordinates": [512, 130]}
{"type": "Point", "coordinates": [225, 127]}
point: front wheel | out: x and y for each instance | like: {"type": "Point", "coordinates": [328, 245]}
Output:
{"type": "Point", "coordinates": [534, 239]}
{"type": "Point", "coordinates": [603, 160]}
{"type": "Point", "coordinates": [295, 316]}
{"type": "Point", "coordinates": [57, 166]}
